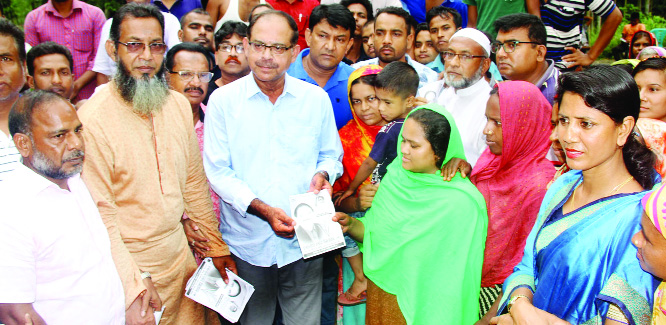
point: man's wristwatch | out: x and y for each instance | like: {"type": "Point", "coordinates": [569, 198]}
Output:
{"type": "Point", "coordinates": [324, 173]}
{"type": "Point", "coordinates": [145, 275]}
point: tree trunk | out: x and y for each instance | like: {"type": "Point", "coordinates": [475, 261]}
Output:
{"type": "Point", "coordinates": [647, 7]}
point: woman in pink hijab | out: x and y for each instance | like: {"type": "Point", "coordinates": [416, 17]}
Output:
{"type": "Point", "coordinates": [512, 174]}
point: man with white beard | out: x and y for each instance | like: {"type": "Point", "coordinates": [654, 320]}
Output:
{"type": "Point", "coordinates": [144, 169]}
{"type": "Point", "coordinates": [463, 91]}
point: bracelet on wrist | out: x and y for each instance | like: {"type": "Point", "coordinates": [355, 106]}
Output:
{"type": "Point", "coordinates": [513, 300]}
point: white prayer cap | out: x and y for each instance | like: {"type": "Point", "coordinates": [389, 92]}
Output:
{"type": "Point", "coordinates": [475, 35]}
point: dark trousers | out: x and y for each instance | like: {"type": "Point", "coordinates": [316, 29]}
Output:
{"type": "Point", "coordinates": [297, 288]}
{"type": "Point", "coordinates": [329, 297]}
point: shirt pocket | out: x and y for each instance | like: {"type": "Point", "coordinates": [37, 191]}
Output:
{"type": "Point", "coordinates": [299, 143]}
{"type": "Point", "coordinates": [83, 40]}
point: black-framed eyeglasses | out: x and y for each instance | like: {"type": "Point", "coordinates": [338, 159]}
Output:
{"type": "Point", "coordinates": [275, 49]}
{"type": "Point", "coordinates": [228, 47]}
{"type": "Point", "coordinates": [189, 75]}
{"type": "Point", "coordinates": [464, 57]}
{"type": "Point", "coordinates": [138, 47]}
{"type": "Point", "coordinates": [509, 46]}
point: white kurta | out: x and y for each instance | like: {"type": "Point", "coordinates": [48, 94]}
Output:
{"type": "Point", "coordinates": [468, 107]}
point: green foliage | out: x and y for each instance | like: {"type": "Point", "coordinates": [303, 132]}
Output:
{"type": "Point", "coordinates": [650, 21]}
{"type": "Point", "coordinates": [16, 10]}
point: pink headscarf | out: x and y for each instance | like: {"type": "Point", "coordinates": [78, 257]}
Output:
{"type": "Point", "coordinates": [514, 183]}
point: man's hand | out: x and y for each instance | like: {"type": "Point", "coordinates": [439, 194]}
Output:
{"type": "Point", "coordinates": [365, 196]}
{"type": "Point", "coordinates": [140, 312]}
{"type": "Point", "coordinates": [280, 222]}
{"type": "Point", "coordinates": [225, 262]}
{"type": "Point", "coordinates": [318, 183]}
{"type": "Point", "coordinates": [577, 57]}
{"type": "Point", "coordinates": [454, 165]}
{"type": "Point", "coordinates": [195, 236]}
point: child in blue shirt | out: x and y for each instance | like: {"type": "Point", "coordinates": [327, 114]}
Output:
{"type": "Point", "coordinates": [396, 87]}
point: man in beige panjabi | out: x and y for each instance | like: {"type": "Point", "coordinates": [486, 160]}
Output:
{"type": "Point", "coordinates": [145, 170]}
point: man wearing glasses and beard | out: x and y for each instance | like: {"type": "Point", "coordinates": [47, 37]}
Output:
{"type": "Point", "coordinates": [144, 168]}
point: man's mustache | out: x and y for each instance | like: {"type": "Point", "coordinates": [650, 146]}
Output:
{"type": "Point", "coordinates": [231, 58]}
{"type": "Point", "coordinates": [194, 88]}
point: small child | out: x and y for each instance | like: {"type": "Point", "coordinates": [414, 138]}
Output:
{"type": "Point", "coordinates": [651, 245]}
{"type": "Point", "coordinates": [396, 87]}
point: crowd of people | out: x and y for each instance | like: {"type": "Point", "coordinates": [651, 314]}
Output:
{"type": "Point", "coordinates": [483, 170]}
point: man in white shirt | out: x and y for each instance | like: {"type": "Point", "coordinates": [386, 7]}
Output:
{"type": "Point", "coordinates": [106, 67]}
{"type": "Point", "coordinates": [464, 91]}
{"type": "Point", "coordinates": [55, 261]}
{"type": "Point", "coordinates": [12, 79]}
{"type": "Point", "coordinates": [268, 136]}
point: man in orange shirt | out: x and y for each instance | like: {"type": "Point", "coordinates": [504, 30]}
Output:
{"type": "Point", "coordinates": [628, 31]}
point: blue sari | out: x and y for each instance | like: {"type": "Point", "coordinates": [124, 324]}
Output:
{"type": "Point", "coordinates": [578, 265]}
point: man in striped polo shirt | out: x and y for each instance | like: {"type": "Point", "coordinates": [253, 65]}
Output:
{"type": "Point", "coordinates": [563, 19]}
{"type": "Point", "coordinates": [12, 79]}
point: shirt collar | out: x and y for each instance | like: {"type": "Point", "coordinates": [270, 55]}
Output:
{"type": "Point", "coordinates": [547, 73]}
{"type": "Point", "coordinates": [436, 64]}
{"type": "Point", "coordinates": [36, 183]}
{"type": "Point", "coordinates": [76, 5]}
{"type": "Point", "coordinates": [300, 73]}
{"type": "Point", "coordinates": [252, 89]}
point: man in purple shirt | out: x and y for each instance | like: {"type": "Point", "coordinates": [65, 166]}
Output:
{"type": "Point", "coordinates": [76, 25]}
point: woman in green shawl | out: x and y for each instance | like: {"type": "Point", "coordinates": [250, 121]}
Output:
{"type": "Point", "coordinates": [423, 238]}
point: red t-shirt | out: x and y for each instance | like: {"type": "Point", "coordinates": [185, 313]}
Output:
{"type": "Point", "coordinates": [299, 10]}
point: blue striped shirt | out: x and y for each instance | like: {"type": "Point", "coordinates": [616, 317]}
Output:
{"type": "Point", "coordinates": [563, 19]}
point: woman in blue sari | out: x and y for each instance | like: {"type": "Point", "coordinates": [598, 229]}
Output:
{"type": "Point", "coordinates": [579, 265]}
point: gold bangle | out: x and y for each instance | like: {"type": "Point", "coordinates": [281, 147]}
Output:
{"type": "Point", "coordinates": [513, 301]}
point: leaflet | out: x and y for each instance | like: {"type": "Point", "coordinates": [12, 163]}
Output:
{"type": "Point", "coordinates": [207, 288]}
{"type": "Point", "coordinates": [315, 230]}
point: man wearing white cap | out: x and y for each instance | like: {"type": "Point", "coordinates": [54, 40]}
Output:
{"type": "Point", "coordinates": [463, 91]}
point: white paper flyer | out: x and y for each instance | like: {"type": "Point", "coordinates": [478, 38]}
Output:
{"type": "Point", "coordinates": [316, 232]}
{"type": "Point", "coordinates": [207, 288]}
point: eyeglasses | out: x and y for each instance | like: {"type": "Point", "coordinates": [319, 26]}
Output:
{"type": "Point", "coordinates": [228, 47]}
{"type": "Point", "coordinates": [275, 49]}
{"type": "Point", "coordinates": [464, 57]}
{"type": "Point", "coordinates": [138, 47]}
{"type": "Point", "coordinates": [509, 46]}
{"type": "Point", "coordinates": [189, 75]}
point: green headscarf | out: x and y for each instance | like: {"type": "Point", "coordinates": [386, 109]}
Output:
{"type": "Point", "coordinates": [424, 240]}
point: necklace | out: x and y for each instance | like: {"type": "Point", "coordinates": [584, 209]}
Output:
{"type": "Point", "coordinates": [613, 191]}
